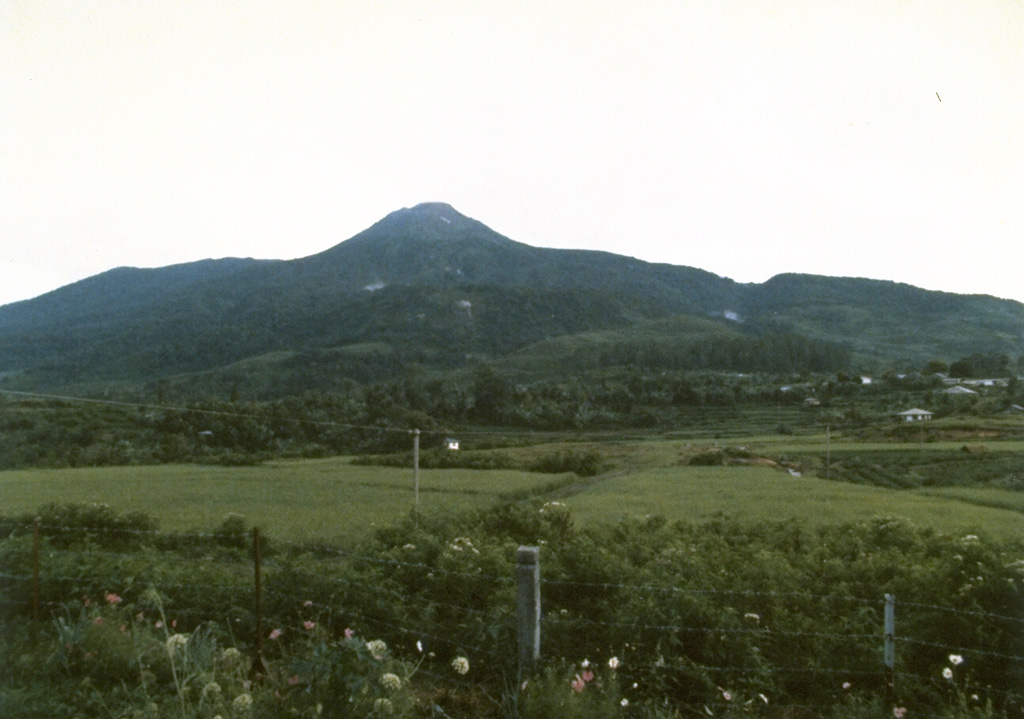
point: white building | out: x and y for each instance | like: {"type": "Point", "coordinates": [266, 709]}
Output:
{"type": "Point", "coordinates": [915, 415]}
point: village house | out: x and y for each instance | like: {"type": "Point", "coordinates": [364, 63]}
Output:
{"type": "Point", "coordinates": [915, 415]}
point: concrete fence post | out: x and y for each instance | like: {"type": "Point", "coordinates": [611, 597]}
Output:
{"type": "Point", "coordinates": [528, 606]}
{"type": "Point", "coordinates": [35, 569]}
{"type": "Point", "coordinates": [890, 646]}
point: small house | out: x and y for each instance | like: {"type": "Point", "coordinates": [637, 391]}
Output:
{"type": "Point", "coordinates": [915, 415]}
{"type": "Point", "coordinates": [452, 444]}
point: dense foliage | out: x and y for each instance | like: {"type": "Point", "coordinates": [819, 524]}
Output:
{"type": "Point", "coordinates": [375, 417]}
{"type": "Point", "coordinates": [721, 618]}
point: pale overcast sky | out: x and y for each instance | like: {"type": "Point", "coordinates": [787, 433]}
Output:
{"type": "Point", "coordinates": [877, 138]}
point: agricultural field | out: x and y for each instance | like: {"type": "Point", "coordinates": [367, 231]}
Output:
{"type": "Point", "coordinates": [758, 493]}
{"type": "Point", "coordinates": [300, 500]}
{"type": "Point", "coordinates": [936, 484]}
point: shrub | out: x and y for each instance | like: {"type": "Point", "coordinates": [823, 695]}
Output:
{"type": "Point", "coordinates": [583, 464]}
{"type": "Point", "coordinates": [712, 458]}
{"type": "Point", "coordinates": [65, 524]}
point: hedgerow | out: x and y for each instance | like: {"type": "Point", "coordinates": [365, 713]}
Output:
{"type": "Point", "coordinates": [721, 617]}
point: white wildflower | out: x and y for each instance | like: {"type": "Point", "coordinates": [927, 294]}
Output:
{"type": "Point", "coordinates": [956, 659]}
{"type": "Point", "coordinates": [460, 665]}
{"type": "Point", "coordinates": [613, 663]}
{"type": "Point", "coordinates": [242, 703]}
{"type": "Point", "coordinates": [391, 682]}
{"type": "Point", "coordinates": [376, 647]}
{"type": "Point", "coordinates": [947, 673]}
{"type": "Point", "coordinates": [462, 543]}
{"type": "Point", "coordinates": [384, 706]}
{"type": "Point", "coordinates": [176, 642]}
{"type": "Point", "coordinates": [624, 702]}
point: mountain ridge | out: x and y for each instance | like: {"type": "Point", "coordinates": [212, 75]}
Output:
{"type": "Point", "coordinates": [444, 289]}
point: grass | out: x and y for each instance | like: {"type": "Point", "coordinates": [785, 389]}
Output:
{"type": "Point", "coordinates": [332, 500]}
{"type": "Point", "coordinates": [299, 500]}
{"type": "Point", "coordinates": [981, 496]}
{"type": "Point", "coordinates": [759, 493]}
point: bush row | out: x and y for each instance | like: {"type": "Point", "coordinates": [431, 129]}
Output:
{"type": "Point", "coordinates": [693, 615]}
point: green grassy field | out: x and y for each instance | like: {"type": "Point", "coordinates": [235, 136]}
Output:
{"type": "Point", "coordinates": [299, 500]}
{"type": "Point", "coordinates": [760, 493]}
{"type": "Point", "coordinates": [333, 500]}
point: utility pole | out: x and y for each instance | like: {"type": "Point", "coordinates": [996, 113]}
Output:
{"type": "Point", "coordinates": [416, 470]}
{"type": "Point", "coordinates": [828, 450]}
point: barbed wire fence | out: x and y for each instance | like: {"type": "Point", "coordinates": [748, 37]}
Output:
{"type": "Point", "coordinates": [709, 648]}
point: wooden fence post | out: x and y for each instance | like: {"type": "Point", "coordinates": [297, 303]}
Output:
{"type": "Point", "coordinates": [528, 606]}
{"type": "Point", "coordinates": [259, 664]}
{"type": "Point", "coordinates": [890, 647]}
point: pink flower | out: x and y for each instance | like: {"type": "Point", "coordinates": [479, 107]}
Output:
{"type": "Point", "coordinates": [727, 696]}
{"type": "Point", "coordinates": [113, 598]}
{"type": "Point", "coordinates": [899, 712]}
{"type": "Point", "coordinates": [349, 633]}
{"type": "Point", "coordinates": [847, 685]}
{"type": "Point", "coordinates": [97, 621]}
{"type": "Point", "coordinates": [588, 676]}
{"type": "Point", "coordinates": [578, 684]}
{"type": "Point", "coordinates": [275, 633]}
{"type": "Point", "coordinates": [293, 679]}
{"type": "Point", "coordinates": [158, 624]}
{"type": "Point", "coordinates": [86, 601]}
{"type": "Point", "coordinates": [307, 625]}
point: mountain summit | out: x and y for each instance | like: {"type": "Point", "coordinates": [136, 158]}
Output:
{"type": "Point", "coordinates": [428, 243]}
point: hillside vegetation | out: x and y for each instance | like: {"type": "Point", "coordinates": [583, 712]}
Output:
{"type": "Point", "coordinates": [431, 287]}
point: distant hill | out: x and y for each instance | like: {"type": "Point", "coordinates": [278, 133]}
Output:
{"type": "Point", "coordinates": [429, 286]}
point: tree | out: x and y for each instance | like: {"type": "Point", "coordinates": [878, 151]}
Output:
{"type": "Point", "coordinates": [1013, 389]}
{"type": "Point", "coordinates": [492, 394]}
{"type": "Point", "coordinates": [962, 368]}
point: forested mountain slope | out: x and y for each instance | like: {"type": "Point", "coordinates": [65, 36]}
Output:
{"type": "Point", "coordinates": [427, 285]}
